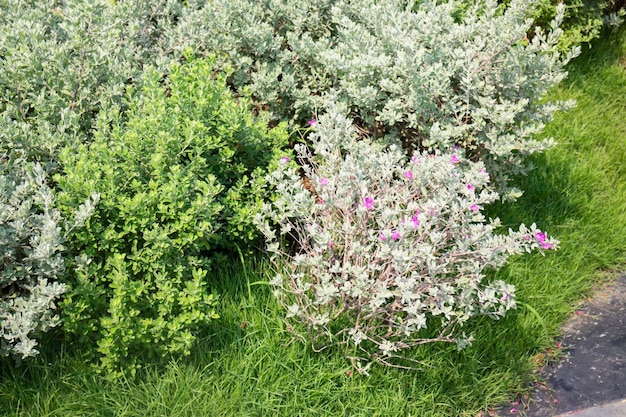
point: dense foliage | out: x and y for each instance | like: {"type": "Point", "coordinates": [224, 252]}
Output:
{"type": "Point", "coordinates": [179, 178]}
{"type": "Point", "coordinates": [32, 234]}
{"type": "Point", "coordinates": [424, 76]}
{"type": "Point", "coordinates": [60, 62]}
{"type": "Point", "coordinates": [583, 19]}
{"type": "Point", "coordinates": [179, 162]}
{"type": "Point", "coordinates": [387, 246]}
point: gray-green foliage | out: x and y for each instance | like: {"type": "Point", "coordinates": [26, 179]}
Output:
{"type": "Point", "coordinates": [422, 75]}
{"type": "Point", "coordinates": [61, 61]}
{"type": "Point", "coordinates": [32, 233]}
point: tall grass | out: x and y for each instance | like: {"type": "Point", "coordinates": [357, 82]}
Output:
{"type": "Point", "coordinates": [247, 364]}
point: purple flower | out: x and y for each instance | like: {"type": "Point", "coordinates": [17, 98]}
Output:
{"type": "Point", "coordinates": [312, 122]}
{"type": "Point", "coordinates": [395, 235]}
{"type": "Point", "coordinates": [369, 203]}
{"type": "Point", "coordinates": [505, 296]}
{"type": "Point", "coordinates": [454, 159]}
{"type": "Point", "coordinates": [284, 159]}
{"type": "Point", "coordinates": [382, 237]}
{"type": "Point", "coordinates": [546, 245]}
{"type": "Point", "coordinates": [408, 174]}
{"type": "Point", "coordinates": [474, 207]}
{"type": "Point", "coordinates": [324, 182]}
{"type": "Point", "coordinates": [415, 159]}
{"type": "Point", "coordinates": [470, 187]}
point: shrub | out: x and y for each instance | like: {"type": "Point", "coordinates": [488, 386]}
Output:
{"type": "Point", "coordinates": [421, 75]}
{"type": "Point", "coordinates": [32, 233]}
{"type": "Point", "coordinates": [387, 246]}
{"type": "Point", "coordinates": [60, 61]}
{"type": "Point", "coordinates": [180, 177]}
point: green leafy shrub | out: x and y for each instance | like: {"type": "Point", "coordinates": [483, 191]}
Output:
{"type": "Point", "coordinates": [179, 177]}
{"type": "Point", "coordinates": [423, 76]}
{"type": "Point", "coordinates": [32, 233]}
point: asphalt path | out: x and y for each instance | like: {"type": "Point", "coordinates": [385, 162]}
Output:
{"type": "Point", "coordinates": [590, 380]}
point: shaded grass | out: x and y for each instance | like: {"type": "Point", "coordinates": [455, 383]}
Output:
{"type": "Point", "coordinates": [248, 365]}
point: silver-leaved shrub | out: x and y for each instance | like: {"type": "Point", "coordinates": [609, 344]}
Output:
{"type": "Point", "coordinates": [32, 233]}
{"type": "Point", "coordinates": [388, 247]}
{"type": "Point", "coordinates": [62, 61]}
{"type": "Point", "coordinates": [418, 72]}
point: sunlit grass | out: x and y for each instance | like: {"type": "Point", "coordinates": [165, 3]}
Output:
{"type": "Point", "coordinates": [247, 364]}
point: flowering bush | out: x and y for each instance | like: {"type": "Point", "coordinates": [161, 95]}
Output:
{"type": "Point", "coordinates": [387, 246]}
{"type": "Point", "coordinates": [421, 74]}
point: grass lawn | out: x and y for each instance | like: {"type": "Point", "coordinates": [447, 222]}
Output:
{"type": "Point", "coordinates": [248, 365]}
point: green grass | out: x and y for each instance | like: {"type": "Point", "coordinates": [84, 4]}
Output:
{"type": "Point", "coordinates": [248, 365]}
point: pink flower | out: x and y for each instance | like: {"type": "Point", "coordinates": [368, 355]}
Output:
{"type": "Point", "coordinates": [505, 296]}
{"type": "Point", "coordinates": [331, 244]}
{"type": "Point", "coordinates": [395, 235]}
{"type": "Point", "coordinates": [408, 174]}
{"type": "Point", "coordinates": [415, 159]}
{"type": "Point", "coordinates": [312, 122]}
{"type": "Point", "coordinates": [382, 237]}
{"type": "Point", "coordinates": [284, 159]}
{"type": "Point", "coordinates": [369, 203]}
{"type": "Point", "coordinates": [470, 187]}
{"type": "Point", "coordinates": [415, 220]}
{"type": "Point", "coordinates": [324, 181]}
{"type": "Point", "coordinates": [474, 207]}
{"type": "Point", "coordinates": [513, 410]}
{"type": "Point", "coordinates": [454, 159]}
{"type": "Point", "coordinates": [540, 236]}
